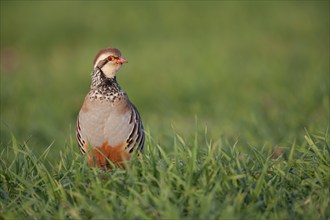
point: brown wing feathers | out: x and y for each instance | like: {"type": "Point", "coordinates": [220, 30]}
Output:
{"type": "Point", "coordinates": [80, 140]}
{"type": "Point", "coordinates": [136, 138]}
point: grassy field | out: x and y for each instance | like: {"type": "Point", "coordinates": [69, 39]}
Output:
{"type": "Point", "coordinates": [234, 97]}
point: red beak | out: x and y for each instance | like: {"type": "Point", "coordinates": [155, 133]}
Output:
{"type": "Point", "coordinates": [121, 60]}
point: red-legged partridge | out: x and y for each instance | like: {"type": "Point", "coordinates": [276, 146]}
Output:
{"type": "Point", "coordinates": [109, 126]}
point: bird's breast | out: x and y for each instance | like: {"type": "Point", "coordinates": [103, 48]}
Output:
{"type": "Point", "coordinates": [103, 121]}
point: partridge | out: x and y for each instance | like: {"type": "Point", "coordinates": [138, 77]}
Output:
{"type": "Point", "coordinates": [109, 127]}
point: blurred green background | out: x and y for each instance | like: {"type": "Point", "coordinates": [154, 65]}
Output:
{"type": "Point", "coordinates": [253, 71]}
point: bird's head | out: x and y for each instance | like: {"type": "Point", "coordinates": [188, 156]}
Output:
{"type": "Point", "coordinates": [109, 61]}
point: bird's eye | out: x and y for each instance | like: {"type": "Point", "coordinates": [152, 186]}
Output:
{"type": "Point", "coordinates": [110, 58]}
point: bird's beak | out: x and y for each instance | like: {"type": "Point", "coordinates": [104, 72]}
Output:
{"type": "Point", "coordinates": [121, 60]}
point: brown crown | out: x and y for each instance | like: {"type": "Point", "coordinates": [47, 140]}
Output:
{"type": "Point", "coordinates": [113, 51]}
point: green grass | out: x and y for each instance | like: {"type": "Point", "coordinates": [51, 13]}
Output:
{"type": "Point", "coordinates": [197, 180]}
{"type": "Point", "coordinates": [234, 96]}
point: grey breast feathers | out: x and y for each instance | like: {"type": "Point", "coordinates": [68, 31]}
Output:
{"type": "Point", "coordinates": [114, 125]}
